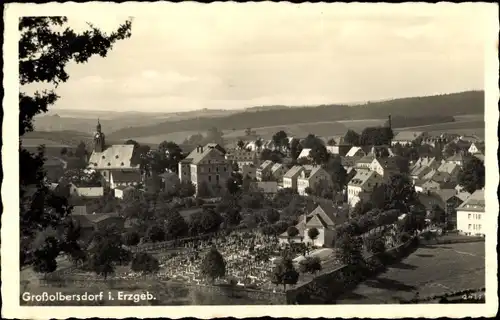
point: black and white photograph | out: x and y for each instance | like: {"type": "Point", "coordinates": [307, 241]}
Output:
{"type": "Point", "coordinates": [248, 159]}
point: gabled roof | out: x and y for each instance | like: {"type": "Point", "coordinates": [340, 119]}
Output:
{"type": "Point", "coordinates": [79, 210]}
{"type": "Point", "coordinates": [117, 156]}
{"type": "Point", "coordinates": [276, 166]}
{"type": "Point", "coordinates": [294, 172]}
{"type": "Point", "coordinates": [126, 176]}
{"type": "Point", "coordinates": [266, 186]}
{"type": "Point", "coordinates": [352, 152]}
{"type": "Point", "coordinates": [420, 171]}
{"type": "Point", "coordinates": [457, 157]}
{"type": "Point", "coordinates": [361, 177]}
{"type": "Point", "coordinates": [448, 167]}
{"type": "Point", "coordinates": [475, 202]}
{"type": "Point", "coordinates": [366, 159]}
{"type": "Point", "coordinates": [479, 156]}
{"type": "Point", "coordinates": [446, 194]}
{"type": "Point", "coordinates": [266, 164]}
{"type": "Point", "coordinates": [388, 163]}
{"type": "Point", "coordinates": [304, 153]}
{"type": "Point", "coordinates": [199, 153]}
{"type": "Point", "coordinates": [309, 171]}
{"type": "Point", "coordinates": [407, 135]}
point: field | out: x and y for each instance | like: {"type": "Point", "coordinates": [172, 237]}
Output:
{"type": "Point", "coordinates": [431, 270]}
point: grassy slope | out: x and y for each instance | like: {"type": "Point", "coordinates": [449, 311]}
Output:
{"type": "Point", "coordinates": [448, 105]}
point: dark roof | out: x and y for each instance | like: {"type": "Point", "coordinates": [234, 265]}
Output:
{"type": "Point", "coordinates": [79, 210]}
{"type": "Point", "coordinates": [126, 176]}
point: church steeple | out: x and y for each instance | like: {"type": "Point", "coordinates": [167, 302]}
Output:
{"type": "Point", "coordinates": [99, 142]}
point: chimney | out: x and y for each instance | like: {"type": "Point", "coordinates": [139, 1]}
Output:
{"type": "Point", "coordinates": [201, 149]}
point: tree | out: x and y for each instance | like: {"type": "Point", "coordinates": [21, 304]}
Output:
{"type": "Point", "coordinates": [186, 189]}
{"type": "Point", "coordinates": [175, 225]}
{"type": "Point", "coordinates": [271, 216]}
{"type": "Point", "coordinates": [280, 139]}
{"type": "Point", "coordinates": [145, 263]}
{"type": "Point", "coordinates": [376, 136]}
{"type": "Point", "coordinates": [310, 265]}
{"type": "Point", "coordinates": [437, 215]}
{"type": "Point", "coordinates": [312, 141]}
{"type": "Point", "coordinates": [352, 138]}
{"type": "Point", "coordinates": [292, 232]}
{"type": "Point", "coordinates": [241, 144]}
{"type": "Point", "coordinates": [309, 191]}
{"type": "Point", "coordinates": [81, 151]}
{"type": "Point", "coordinates": [451, 149]}
{"type": "Point", "coordinates": [313, 234]}
{"type": "Point", "coordinates": [45, 257]}
{"type": "Point", "coordinates": [155, 233]}
{"type": "Point", "coordinates": [332, 142]}
{"type": "Point", "coordinates": [131, 238]}
{"type": "Point", "coordinates": [284, 273]}
{"type": "Point", "coordinates": [338, 173]}
{"type": "Point", "coordinates": [349, 249]}
{"type": "Point", "coordinates": [319, 154]}
{"type": "Point", "coordinates": [399, 193]}
{"type": "Point", "coordinates": [170, 154]}
{"type": "Point", "coordinates": [295, 149]}
{"type": "Point", "coordinates": [107, 251]}
{"type": "Point", "coordinates": [375, 244]}
{"type": "Point", "coordinates": [232, 216]}
{"type": "Point", "coordinates": [213, 265]}
{"type": "Point", "coordinates": [472, 176]}
{"type": "Point", "coordinates": [232, 186]}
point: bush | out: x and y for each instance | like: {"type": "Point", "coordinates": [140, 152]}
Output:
{"type": "Point", "coordinates": [131, 238]}
{"type": "Point", "coordinates": [404, 237]}
{"type": "Point", "coordinates": [144, 262]}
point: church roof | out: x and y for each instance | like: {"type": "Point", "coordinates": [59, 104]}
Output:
{"type": "Point", "coordinates": [117, 156]}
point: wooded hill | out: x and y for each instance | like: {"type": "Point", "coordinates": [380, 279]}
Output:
{"type": "Point", "coordinates": [470, 102]}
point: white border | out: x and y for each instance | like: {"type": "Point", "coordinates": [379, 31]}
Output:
{"type": "Point", "coordinates": [10, 196]}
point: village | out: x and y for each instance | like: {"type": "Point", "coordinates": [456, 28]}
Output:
{"type": "Point", "coordinates": [263, 210]}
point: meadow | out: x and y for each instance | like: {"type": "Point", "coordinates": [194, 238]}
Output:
{"type": "Point", "coordinates": [430, 270]}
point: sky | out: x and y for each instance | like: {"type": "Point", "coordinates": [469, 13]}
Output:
{"type": "Point", "coordinates": [231, 56]}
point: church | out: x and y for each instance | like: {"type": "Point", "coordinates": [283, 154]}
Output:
{"type": "Point", "coordinates": [113, 162]}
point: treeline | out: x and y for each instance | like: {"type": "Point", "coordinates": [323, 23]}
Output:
{"type": "Point", "coordinates": [448, 105]}
{"type": "Point", "coordinates": [406, 121]}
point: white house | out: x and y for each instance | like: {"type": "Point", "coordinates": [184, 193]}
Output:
{"type": "Point", "coordinates": [361, 186]}
{"type": "Point", "coordinates": [324, 218]}
{"type": "Point", "coordinates": [124, 178]}
{"type": "Point", "coordinates": [470, 214]}
{"type": "Point", "coordinates": [310, 177]}
{"type": "Point", "coordinates": [264, 169]}
{"type": "Point", "coordinates": [291, 176]}
{"type": "Point", "coordinates": [476, 147]}
{"type": "Point", "coordinates": [386, 167]}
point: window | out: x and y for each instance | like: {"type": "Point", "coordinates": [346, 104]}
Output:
{"type": "Point", "coordinates": [225, 169]}
{"type": "Point", "coordinates": [217, 178]}
{"type": "Point", "coordinates": [470, 226]}
{"type": "Point", "coordinates": [217, 169]}
{"type": "Point", "coordinates": [478, 227]}
{"type": "Point", "coordinates": [208, 170]}
{"type": "Point", "coordinates": [209, 178]}
{"type": "Point", "coordinates": [469, 216]}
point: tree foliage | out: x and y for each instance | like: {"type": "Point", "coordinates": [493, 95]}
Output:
{"type": "Point", "coordinates": [284, 273]}
{"type": "Point", "coordinates": [310, 265]}
{"type": "Point", "coordinates": [46, 46]}
{"type": "Point", "coordinates": [145, 263]}
{"type": "Point", "coordinates": [472, 176]}
{"type": "Point", "coordinates": [349, 249]}
{"type": "Point", "coordinates": [213, 265]}
{"type": "Point", "coordinates": [352, 138]}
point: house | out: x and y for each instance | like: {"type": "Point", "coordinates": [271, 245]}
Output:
{"type": "Point", "coordinates": [349, 162]}
{"type": "Point", "coordinates": [325, 217]}
{"type": "Point", "coordinates": [426, 162]}
{"type": "Point", "coordinates": [458, 158]}
{"type": "Point", "coordinates": [361, 186]}
{"type": "Point", "coordinates": [206, 165]}
{"type": "Point", "coordinates": [264, 170]}
{"type": "Point", "coordinates": [476, 148]}
{"type": "Point", "coordinates": [471, 138]}
{"type": "Point", "coordinates": [278, 170]}
{"type": "Point", "coordinates": [169, 182]}
{"type": "Point", "coordinates": [438, 141]}
{"type": "Point", "coordinates": [266, 187]}
{"type": "Point", "coordinates": [382, 151]}
{"type": "Point", "coordinates": [79, 210]}
{"type": "Point", "coordinates": [424, 186]}
{"type": "Point", "coordinates": [479, 156]}
{"type": "Point", "coordinates": [446, 199]}
{"type": "Point", "coordinates": [356, 152]}
{"type": "Point", "coordinates": [242, 157]}
{"type": "Point", "coordinates": [291, 176]}
{"type": "Point", "coordinates": [86, 191]}
{"type": "Point", "coordinates": [386, 167]}
{"type": "Point", "coordinates": [124, 178]}
{"type": "Point", "coordinates": [310, 177]}
{"type": "Point", "coordinates": [451, 168]}
{"type": "Point", "coordinates": [365, 162]}
{"type": "Point", "coordinates": [417, 173]}
{"type": "Point", "coordinates": [120, 191]}
{"type": "Point", "coordinates": [89, 223]}
{"type": "Point", "coordinates": [408, 137]}
{"type": "Point", "coordinates": [470, 214]}
{"type": "Point", "coordinates": [107, 159]}
{"type": "Point", "coordinates": [305, 153]}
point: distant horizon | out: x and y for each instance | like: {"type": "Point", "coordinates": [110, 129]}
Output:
{"type": "Point", "coordinates": [54, 109]}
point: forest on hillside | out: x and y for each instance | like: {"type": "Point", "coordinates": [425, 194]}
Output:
{"type": "Point", "coordinates": [471, 102]}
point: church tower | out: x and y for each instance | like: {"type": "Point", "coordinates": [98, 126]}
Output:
{"type": "Point", "coordinates": [99, 143]}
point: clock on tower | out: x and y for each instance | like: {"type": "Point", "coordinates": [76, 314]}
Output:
{"type": "Point", "coordinates": [99, 143]}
